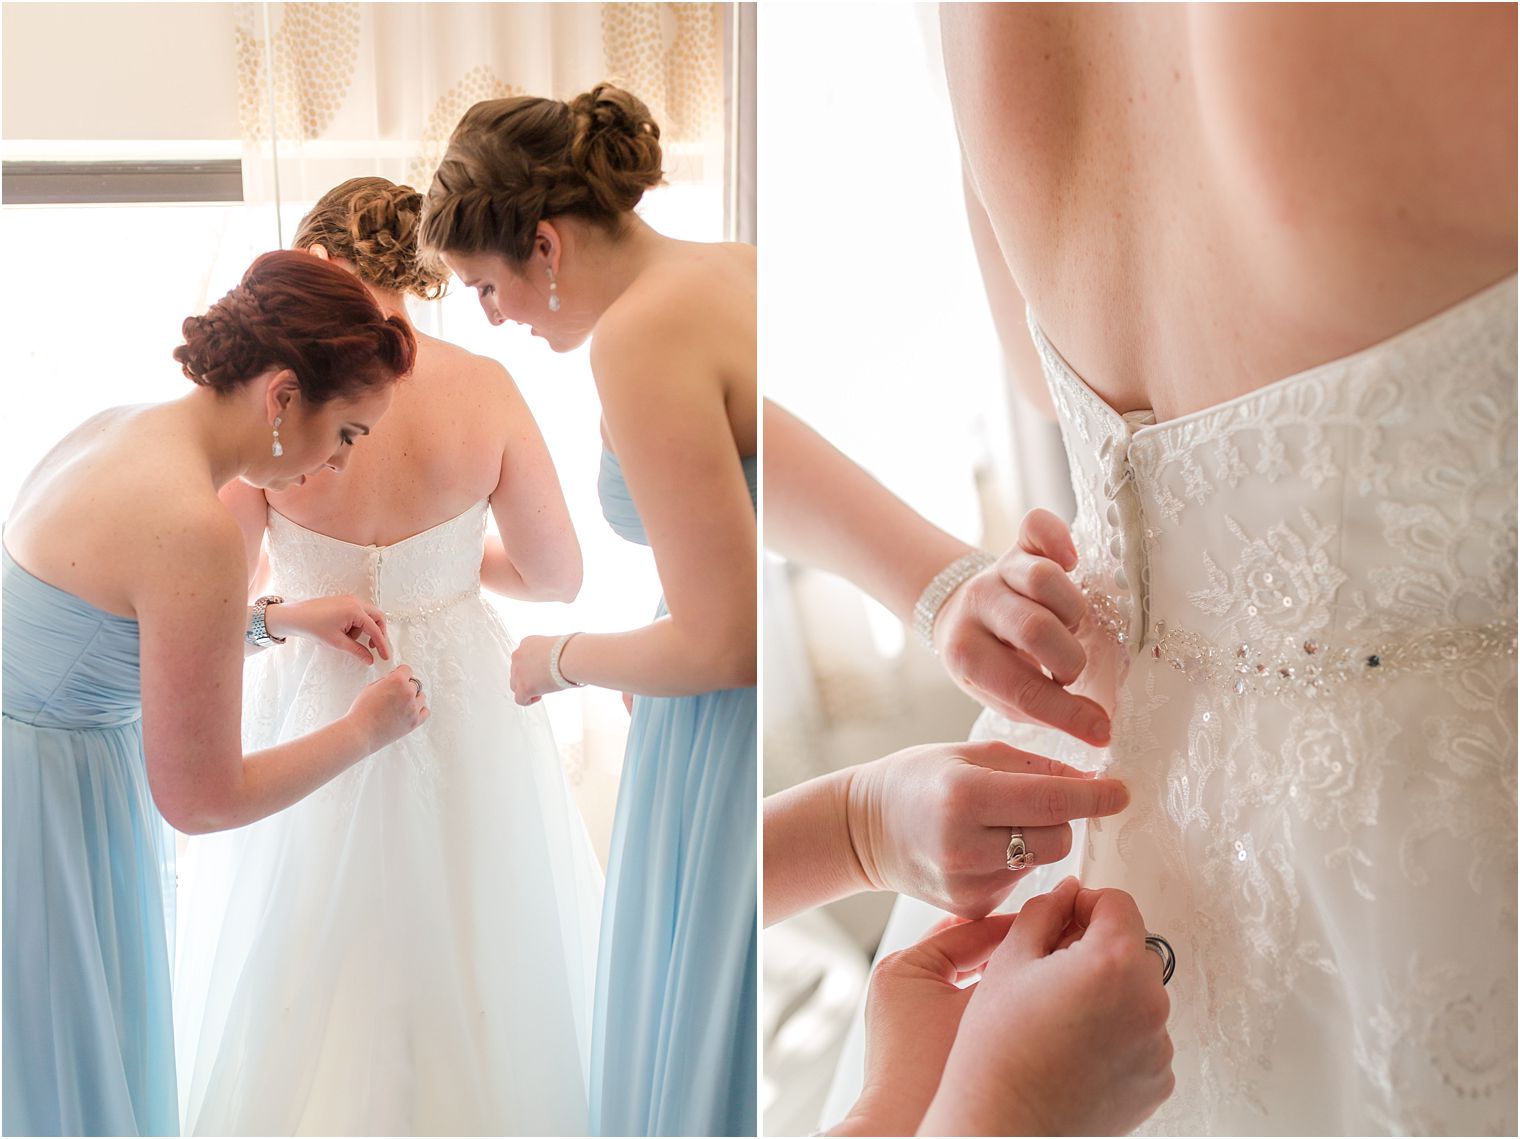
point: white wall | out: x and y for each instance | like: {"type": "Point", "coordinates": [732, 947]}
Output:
{"type": "Point", "coordinates": [117, 71]}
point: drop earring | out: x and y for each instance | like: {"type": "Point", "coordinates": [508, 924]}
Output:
{"type": "Point", "coordinates": [275, 448]}
{"type": "Point", "coordinates": [553, 293]}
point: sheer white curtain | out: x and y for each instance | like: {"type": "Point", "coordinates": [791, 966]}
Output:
{"type": "Point", "coordinates": [328, 91]}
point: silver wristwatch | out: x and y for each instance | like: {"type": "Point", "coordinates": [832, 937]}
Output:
{"type": "Point", "coordinates": [258, 632]}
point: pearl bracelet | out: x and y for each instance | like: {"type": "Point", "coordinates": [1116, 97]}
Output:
{"type": "Point", "coordinates": [938, 591]}
{"type": "Point", "coordinates": [554, 673]}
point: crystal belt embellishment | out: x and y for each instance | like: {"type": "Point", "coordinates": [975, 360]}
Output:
{"type": "Point", "coordinates": [432, 607]}
{"type": "Point", "coordinates": [1312, 668]}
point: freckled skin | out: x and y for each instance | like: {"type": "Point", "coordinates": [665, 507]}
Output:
{"type": "Point", "coordinates": [1198, 200]}
{"type": "Point", "coordinates": [124, 513]}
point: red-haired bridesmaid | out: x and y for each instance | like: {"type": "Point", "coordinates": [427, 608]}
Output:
{"type": "Point", "coordinates": [126, 626]}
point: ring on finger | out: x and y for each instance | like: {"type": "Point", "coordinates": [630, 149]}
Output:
{"type": "Point", "coordinates": [1020, 856]}
{"type": "Point", "coordinates": [417, 684]}
{"type": "Point", "coordinates": [1162, 949]}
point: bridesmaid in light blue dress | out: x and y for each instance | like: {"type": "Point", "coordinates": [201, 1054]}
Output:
{"type": "Point", "coordinates": [89, 1042]}
{"type": "Point", "coordinates": [123, 603]}
{"type": "Point", "coordinates": [533, 206]}
{"type": "Point", "coordinates": [681, 883]}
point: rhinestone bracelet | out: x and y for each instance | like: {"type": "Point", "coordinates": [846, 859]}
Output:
{"type": "Point", "coordinates": [938, 591]}
{"type": "Point", "coordinates": [554, 673]}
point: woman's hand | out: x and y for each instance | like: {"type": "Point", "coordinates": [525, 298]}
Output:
{"type": "Point", "coordinates": [531, 681]}
{"type": "Point", "coordinates": [933, 821]}
{"type": "Point", "coordinates": [913, 1010]}
{"type": "Point", "coordinates": [343, 623]}
{"type": "Point", "coordinates": [1065, 1033]}
{"type": "Point", "coordinates": [389, 708]}
{"type": "Point", "coordinates": [1001, 631]}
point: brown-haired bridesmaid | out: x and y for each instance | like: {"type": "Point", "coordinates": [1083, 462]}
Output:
{"type": "Point", "coordinates": [534, 207]}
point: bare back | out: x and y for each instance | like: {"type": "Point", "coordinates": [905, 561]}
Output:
{"type": "Point", "coordinates": [96, 515]}
{"type": "Point", "coordinates": [1196, 201]}
{"type": "Point", "coordinates": [438, 451]}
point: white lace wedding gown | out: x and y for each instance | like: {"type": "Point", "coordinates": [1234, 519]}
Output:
{"type": "Point", "coordinates": [1303, 622]}
{"type": "Point", "coordinates": [411, 949]}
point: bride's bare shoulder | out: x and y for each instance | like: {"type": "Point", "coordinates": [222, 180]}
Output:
{"type": "Point", "coordinates": [439, 360]}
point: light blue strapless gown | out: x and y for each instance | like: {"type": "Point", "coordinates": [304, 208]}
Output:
{"type": "Point", "coordinates": [673, 1033]}
{"type": "Point", "coordinates": [89, 1038]}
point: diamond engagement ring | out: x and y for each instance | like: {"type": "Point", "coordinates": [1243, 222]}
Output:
{"type": "Point", "coordinates": [1020, 857]}
{"type": "Point", "coordinates": [1162, 949]}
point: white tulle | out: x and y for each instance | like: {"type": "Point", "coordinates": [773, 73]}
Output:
{"type": "Point", "coordinates": [411, 949]}
{"type": "Point", "coordinates": [1303, 623]}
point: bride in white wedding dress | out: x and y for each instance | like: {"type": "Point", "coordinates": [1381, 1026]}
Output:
{"type": "Point", "coordinates": [1300, 575]}
{"type": "Point", "coordinates": [1312, 690]}
{"type": "Point", "coordinates": [412, 950]}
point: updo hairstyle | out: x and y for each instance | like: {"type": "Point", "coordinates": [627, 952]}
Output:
{"type": "Point", "coordinates": [512, 163]}
{"type": "Point", "coordinates": [294, 311]}
{"type": "Point", "coordinates": [373, 223]}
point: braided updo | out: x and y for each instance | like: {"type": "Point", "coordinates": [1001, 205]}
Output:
{"type": "Point", "coordinates": [373, 223]}
{"type": "Point", "coordinates": [512, 163]}
{"type": "Point", "coordinates": [294, 311]}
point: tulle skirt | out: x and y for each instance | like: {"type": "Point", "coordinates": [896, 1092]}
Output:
{"type": "Point", "coordinates": [410, 950]}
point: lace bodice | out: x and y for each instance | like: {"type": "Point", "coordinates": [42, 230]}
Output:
{"type": "Point", "coordinates": [1303, 622]}
{"type": "Point", "coordinates": [408, 579]}
{"type": "Point", "coordinates": [428, 586]}
{"type": "Point", "coordinates": [1364, 510]}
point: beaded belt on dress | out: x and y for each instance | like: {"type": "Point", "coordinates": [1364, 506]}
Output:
{"type": "Point", "coordinates": [1312, 666]}
{"type": "Point", "coordinates": [1315, 667]}
{"type": "Point", "coordinates": [432, 607]}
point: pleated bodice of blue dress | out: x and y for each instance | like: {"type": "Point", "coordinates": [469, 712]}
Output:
{"type": "Point", "coordinates": [88, 1032]}
{"type": "Point", "coordinates": [673, 1036]}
